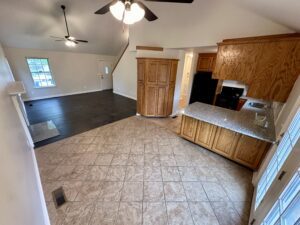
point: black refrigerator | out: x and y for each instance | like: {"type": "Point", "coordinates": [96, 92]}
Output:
{"type": "Point", "coordinates": [203, 88]}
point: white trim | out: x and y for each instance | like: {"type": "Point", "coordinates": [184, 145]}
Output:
{"type": "Point", "coordinates": [22, 119]}
{"type": "Point", "coordinates": [127, 96]}
{"type": "Point", "coordinates": [60, 95]}
{"type": "Point", "coordinates": [40, 189]}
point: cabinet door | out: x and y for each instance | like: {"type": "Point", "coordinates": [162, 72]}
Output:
{"type": "Point", "coordinates": [140, 98]}
{"type": "Point", "coordinates": [225, 142]}
{"type": "Point", "coordinates": [141, 70]}
{"type": "Point", "coordinates": [188, 128]}
{"type": "Point", "coordinates": [162, 98]}
{"type": "Point", "coordinates": [250, 151]}
{"type": "Point", "coordinates": [150, 100]}
{"type": "Point", "coordinates": [173, 72]}
{"type": "Point", "coordinates": [151, 74]}
{"type": "Point", "coordinates": [205, 134]}
{"type": "Point", "coordinates": [170, 99]}
{"type": "Point", "coordinates": [206, 62]}
{"type": "Point", "coordinates": [163, 72]}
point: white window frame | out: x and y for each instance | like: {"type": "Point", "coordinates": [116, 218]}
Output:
{"type": "Point", "coordinates": [281, 206]}
{"type": "Point", "coordinates": [291, 164]}
{"type": "Point", "coordinates": [283, 150]}
{"type": "Point", "coordinates": [39, 87]}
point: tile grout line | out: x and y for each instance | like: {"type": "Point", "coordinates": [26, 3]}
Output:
{"type": "Point", "coordinates": [186, 196]}
{"type": "Point", "coordinates": [165, 201]}
{"type": "Point", "coordinates": [210, 203]}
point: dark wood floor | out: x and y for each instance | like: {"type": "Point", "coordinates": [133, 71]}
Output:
{"type": "Point", "coordinates": [75, 114]}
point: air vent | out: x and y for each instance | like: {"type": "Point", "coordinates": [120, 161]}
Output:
{"type": "Point", "coordinates": [59, 197]}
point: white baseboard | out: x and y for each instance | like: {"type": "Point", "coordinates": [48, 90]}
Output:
{"type": "Point", "coordinates": [60, 95]}
{"type": "Point", "coordinates": [127, 96]}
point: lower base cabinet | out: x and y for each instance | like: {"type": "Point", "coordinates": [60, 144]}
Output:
{"type": "Point", "coordinates": [250, 151]}
{"type": "Point", "coordinates": [188, 128]}
{"type": "Point", "coordinates": [225, 142]}
{"type": "Point", "coordinates": [240, 148]}
{"type": "Point", "coordinates": [205, 134]}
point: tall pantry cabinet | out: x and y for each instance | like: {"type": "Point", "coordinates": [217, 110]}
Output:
{"type": "Point", "coordinates": [155, 86]}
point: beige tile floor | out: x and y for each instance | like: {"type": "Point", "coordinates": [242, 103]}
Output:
{"type": "Point", "coordinates": [137, 172]}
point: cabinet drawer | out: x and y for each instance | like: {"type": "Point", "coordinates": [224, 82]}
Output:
{"type": "Point", "coordinates": [205, 134]}
{"type": "Point", "coordinates": [188, 128]}
{"type": "Point", "coordinates": [225, 142]}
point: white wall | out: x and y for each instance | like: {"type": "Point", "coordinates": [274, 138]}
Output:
{"type": "Point", "coordinates": [73, 72]}
{"type": "Point", "coordinates": [20, 192]}
{"type": "Point", "coordinates": [125, 75]}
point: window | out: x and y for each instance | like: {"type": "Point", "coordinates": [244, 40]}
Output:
{"type": "Point", "coordinates": [40, 72]}
{"type": "Point", "coordinates": [282, 152]}
{"type": "Point", "coordinates": [286, 210]}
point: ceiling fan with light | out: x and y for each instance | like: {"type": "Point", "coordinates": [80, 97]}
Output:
{"type": "Point", "coordinates": [132, 11]}
{"type": "Point", "coordinates": [68, 39]}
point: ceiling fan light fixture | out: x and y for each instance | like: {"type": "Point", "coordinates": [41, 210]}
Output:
{"type": "Point", "coordinates": [117, 10]}
{"type": "Point", "coordinates": [70, 43]}
{"type": "Point", "coordinates": [133, 14]}
{"type": "Point", "coordinates": [71, 38]}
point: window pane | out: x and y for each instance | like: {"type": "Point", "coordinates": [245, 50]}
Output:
{"type": "Point", "coordinates": [40, 72]}
{"type": "Point", "coordinates": [291, 191]}
{"type": "Point", "coordinates": [294, 129]}
{"type": "Point", "coordinates": [37, 83]}
{"type": "Point", "coordinates": [292, 213]}
{"type": "Point", "coordinates": [273, 215]}
{"type": "Point", "coordinates": [46, 68]}
{"type": "Point", "coordinates": [44, 61]}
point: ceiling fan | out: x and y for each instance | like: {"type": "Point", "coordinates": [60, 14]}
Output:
{"type": "Point", "coordinates": [131, 11]}
{"type": "Point", "coordinates": [69, 40]}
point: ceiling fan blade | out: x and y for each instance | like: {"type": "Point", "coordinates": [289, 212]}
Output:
{"type": "Point", "coordinates": [172, 1]}
{"type": "Point", "coordinates": [149, 15]}
{"type": "Point", "coordinates": [57, 37]}
{"type": "Point", "coordinates": [105, 8]}
{"type": "Point", "coordinates": [85, 41]}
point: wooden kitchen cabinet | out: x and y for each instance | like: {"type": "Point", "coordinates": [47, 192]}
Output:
{"type": "Point", "coordinates": [269, 65]}
{"type": "Point", "coordinates": [205, 134]}
{"type": "Point", "coordinates": [188, 128]}
{"type": "Point", "coordinates": [206, 62]}
{"type": "Point", "coordinates": [225, 142]}
{"type": "Point", "coordinates": [250, 151]}
{"type": "Point", "coordinates": [156, 85]}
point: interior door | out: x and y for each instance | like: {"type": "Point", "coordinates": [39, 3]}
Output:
{"type": "Point", "coordinates": [105, 69]}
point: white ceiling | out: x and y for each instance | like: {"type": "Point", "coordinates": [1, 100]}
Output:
{"type": "Point", "coordinates": [285, 12]}
{"type": "Point", "coordinates": [29, 23]}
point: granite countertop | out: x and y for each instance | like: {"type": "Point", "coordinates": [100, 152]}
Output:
{"type": "Point", "coordinates": [242, 121]}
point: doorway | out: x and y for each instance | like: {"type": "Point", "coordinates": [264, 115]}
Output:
{"type": "Point", "coordinates": [185, 83]}
{"type": "Point", "coordinates": [105, 73]}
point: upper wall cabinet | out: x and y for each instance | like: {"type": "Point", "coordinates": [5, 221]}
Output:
{"type": "Point", "coordinates": [156, 85]}
{"type": "Point", "coordinates": [270, 65]}
{"type": "Point", "coordinates": [206, 62]}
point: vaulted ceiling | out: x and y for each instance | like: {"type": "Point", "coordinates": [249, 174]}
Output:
{"type": "Point", "coordinates": [29, 23]}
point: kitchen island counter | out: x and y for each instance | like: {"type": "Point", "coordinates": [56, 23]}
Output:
{"type": "Point", "coordinates": [242, 121]}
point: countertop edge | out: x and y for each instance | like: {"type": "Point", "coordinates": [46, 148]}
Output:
{"type": "Point", "coordinates": [229, 128]}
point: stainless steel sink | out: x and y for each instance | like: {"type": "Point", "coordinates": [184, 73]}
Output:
{"type": "Point", "coordinates": [257, 105]}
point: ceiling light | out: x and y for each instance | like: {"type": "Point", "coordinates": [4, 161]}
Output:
{"type": "Point", "coordinates": [71, 38]}
{"type": "Point", "coordinates": [117, 10]}
{"type": "Point", "coordinates": [70, 43]}
{"type": "Point", "coordinates": [129, 13]}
